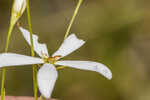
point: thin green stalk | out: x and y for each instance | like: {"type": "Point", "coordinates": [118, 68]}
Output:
{"type": "Point", "coordinates": [8, 37]}
{"type": "Point", "coordinates": [60, 67]}
{"type": "Point", "coordinates": [70, 25]}
{"type": "Point", "coordinates": [43, 98]}
{"type": "Point", "coordinates": [34, 68]}
{"type": "Point", "coordinates": [32, 52]}
{"type": "Point", "coordinates": [4, 70]}
{"type": "Point", "coordinates": [40, 98]}
{"type": "Point", "coordinates": [2, 84]}
{"type": "Point", "coordinates": [30, 28]}
{"type": "Point", "coordinates": [73, 18]}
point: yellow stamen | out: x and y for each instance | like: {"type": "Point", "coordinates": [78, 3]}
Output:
{"type": "Point", "coordinates": [51, 60]}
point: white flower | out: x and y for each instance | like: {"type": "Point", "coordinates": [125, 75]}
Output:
{"type": "Point", "coordinates": [47, 74]}
{"type": "Point", "coordinates": [18, 8]}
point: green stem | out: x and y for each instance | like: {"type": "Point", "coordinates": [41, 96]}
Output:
{"type": "Point", "coordinates": [30, 28]}
{"type": "Point", "coordinates": [70, 25]}
{"type": "Point", "coordinates": [40, 98]}
{"type": "Point", "coordinates": [4, 70]}
{"type": "Point", "coordinates": [2, 84]}
{"type": "Point", "coordinates": [60, 67]}
{"type": "Point", "coordinates": [8, 37]}
{"type": "Point", "coordinates": [32, 52]}
{"type": "Point", "coordinates": [43, 98]}
{"type": "Point", "coordinates": [34, 68]}
{"type": "Point", "coordinates": [73, 18]}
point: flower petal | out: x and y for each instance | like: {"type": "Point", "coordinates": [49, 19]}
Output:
{"type": "Point", "coordinates": [12, 59]}
{"type": "Point", "coordinates": [88, 65]}
{"type": "Point", "coordinates": [39, 48]}
{"type": "Point", "coordinates": [19, 6]}
{"type": "Point", "coordinates": [46, 78]}
{"type": "Point", "coordinates": [18, 9]}
{"type": "Point", "coordinates": [69, 45]}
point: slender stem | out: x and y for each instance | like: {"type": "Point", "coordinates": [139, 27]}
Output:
{"type": "Point", "coordinates": [70, 25]}
{"type": "Point", "coordinates": [2, 84]}
{"type": "Point", "coordinates": [32, 51]}
{"type": "Point", "coordinates": [30, 28]}
{"type": "Point", "coordinates": [4, 70]}
{"type": "Point", "coordinates": [73, 18]}
{"type": "Point", "coordinates": [40, 98]}
{"type": "Point", "coordinates": [8, 37]}
{"type": "Point", "coordinates": [43, 98]}
{"type": "Point", "coordinates": [34, 68]}
{"type": "Point", "coordinates": [60, 67]}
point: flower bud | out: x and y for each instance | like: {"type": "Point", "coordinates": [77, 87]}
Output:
{"type": "Point", "coordinates": [18, 8]}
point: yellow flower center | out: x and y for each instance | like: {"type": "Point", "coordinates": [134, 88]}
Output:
{"type": "Point", "coordinates": [51, 60]}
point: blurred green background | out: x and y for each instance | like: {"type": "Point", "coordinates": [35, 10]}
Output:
{"type": "Point", "coordinates": [117, 33]}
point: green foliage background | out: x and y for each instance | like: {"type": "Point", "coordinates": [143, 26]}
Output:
{"type": "Point", "coordinates": [117, 33]}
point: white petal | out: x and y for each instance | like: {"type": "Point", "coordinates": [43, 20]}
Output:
{"type": "Point", "coordinates": [88, 65]}
{"type": "Point", "coordinates": [18, 9]}
{"type": "Point", "coordinates": [46, 78]}
{"type": "Point", "coordinates": [69, 45]}
{"type": "Point", "coordinates": [39, 48]}
{"type": "Point", "coordinates": [12, 59]}
{"type": "Point", "coordinates": [19, 6]}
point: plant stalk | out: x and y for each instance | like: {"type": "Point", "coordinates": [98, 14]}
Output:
{"type": "Point", "coordinates": [70, 25]}
{"type": "Point", "coordinates": [4, 70]}
{"type": "Point", "coordinates": [34, 67]}
{"type": "Point", "coordinates": [73, 18]}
